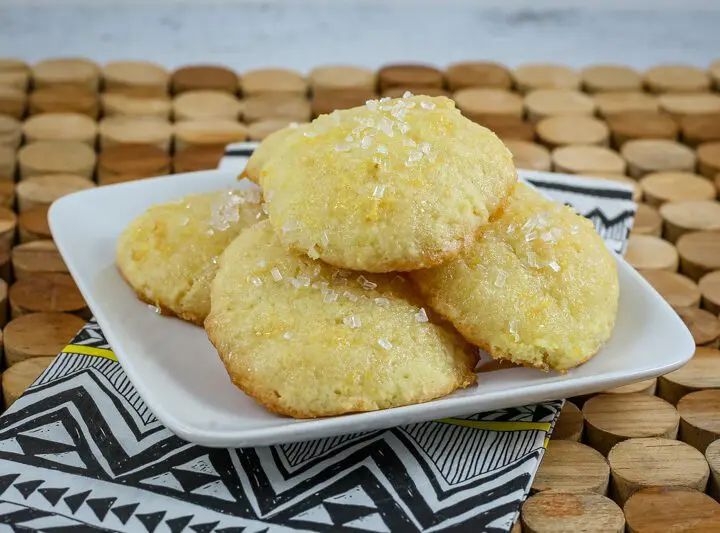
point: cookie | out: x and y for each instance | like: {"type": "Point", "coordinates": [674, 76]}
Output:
{"type": "Point", "coordinates": [394, 185]}
{"type": "Point", "coordinates": [264, 151]}
{"type": "Point", "coordinates": [169, 253]}
{"type": "Point", "coordinates": [538, 287]}
{"type": "Point", "coordinates": [308, 340]}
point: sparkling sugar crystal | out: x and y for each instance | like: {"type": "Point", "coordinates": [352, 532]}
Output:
{"type": "Point", "coordinates": [256, 281]}
{"type": "Point", "coordinates": [512, 329]}
{"type": "Point", "coordinates": [381, 148]}
{"type": "Point", "coordinates": [313, 253]}
{"type": "Point", "coordinates": [290, 225]}
{"type": "Point", "coordinates": [382, 302]}
{"type": "Point", "coordinates": [415, 155]}
{"type": "Point", "coordinates": [372, 105]}
{"type": "Point", "coordinates": [385, 343]}
{"type": "Point", "coordinates": [350, 296]}
{"type": "Point", "coordinates": [378, 191]}
{"type": "Point", "coordinates": [554, 265]}
{"type": "Point", "coordinates": [409, 142]}
{"type": "Point", "coordinates": [275, 273]}
{"type": "Point", "coordinates": [366, 142]}
{"type": "Point", "coordinates": [532, 259]}
{"type": "Point", "coordinates": [154, 309]}
{"type": "Point", "coordinates": [303, 280]}
{"type": "Point", "coordinates": [407, 94]}
{"type": "Point", "coordinates": [287, 335]}
{"type": "Point", "coordinates": [352, 321]}
{"type": "Point", "coordinates": [427, 105]}
{"type": "Point", "coordinates": [421, 316]}
{"type": "Point", "coordinates": [500, 278]}
{"type": "Point", "coordinates": [324, 239]}
{"type": "Point", "coordinates": [552, 235]}
{"type": "Point", "coordinates": [385, 125]}
{"type": "Point", "coordinates": [366, 283]}
{"type": "Point", "coordinates": [330, 296]}
{"type": "Point", "coordinates": [224, 211]}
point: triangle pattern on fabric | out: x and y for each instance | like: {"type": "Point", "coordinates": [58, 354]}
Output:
{"type": "Point", "coordinates": [176, 525]}
{"type": "Point", "coordinates": [26, 488]}
{"type": "Point", "coordinates": [53, 432]}
{"type": "Point", "coordinates": [124, 512]}
{"type": "Point", "coordinates": [101, 506]}
{"type": "Point", "coordinates": [341, 514]}
{"type": "Point", "coordinates": [11, 445]}
{"type": "Point", "coordinates": [35, 446]}
{"type": "Point", "coordinates": [192, 480]}
{"type": "Point", "coordinates": [165, 480]}
{"type": "Point", "coordinates": [150, 520]}
{"type": "Point", "coordinates": [6, 481]}
{"type": "Point", "coordinates": [215, 489]}
{"type": "Point", "coordinates": [200, 465]}
{"type": "Point", "coordinates": [204, 528]}
{"type": "Point", "coordinates": [355, 496]}
{"type": "Point", "coordinates": [317, 514]}
{"type": "Point", "coordinates": [372, 522]}
{"type": "Point", "coordinates": [76, 500]}
{"type": "Point", "coordinates": [65, 458]}
{"type": "Point", "coordinates": [53, 495]}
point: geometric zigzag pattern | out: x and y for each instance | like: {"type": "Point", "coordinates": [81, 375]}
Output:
{"type": "Point", "coordinates": [80, 451]}
{"type": "Point", "coordinates": [76, 453]}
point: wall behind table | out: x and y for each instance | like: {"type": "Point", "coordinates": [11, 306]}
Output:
{"type": "Point", "coordinates": [302, 35]}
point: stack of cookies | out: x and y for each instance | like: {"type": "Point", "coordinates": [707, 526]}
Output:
{"type": "Point", "coordinates": [385, 245]}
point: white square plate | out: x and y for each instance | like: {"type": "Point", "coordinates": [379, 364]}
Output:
{"type": "Point", "coordinates": [179, 375]}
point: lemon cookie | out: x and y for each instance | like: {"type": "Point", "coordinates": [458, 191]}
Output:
{"type": "Point", "coordinates": [538, 287]}
{"type": "Point", "coordinates": [394, 185]}
{"type": "Point", "coordinates": [265, 150]}
{"type": "Point", "coordinates": [169, 253]}
{"type": "Point", "coordinates": [308, 340]}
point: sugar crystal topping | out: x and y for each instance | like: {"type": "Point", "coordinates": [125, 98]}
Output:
{"type": "Point", "coordinates": [421, 316]}
{"type": "Point", "coordinates": [382, 302]}
{"type": "Point", "coordinates": [389, 119]}
{"type": "Point", "coordinates": [352, 321]}
{"type": "Point", "coordinates": [383, 342]}
{"type": "Point", "coordinates": [224, 209]}
{"type": "Point", "coordinates": [366, 283]}
{"type": "Point", "coordinates": [512, 329]}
